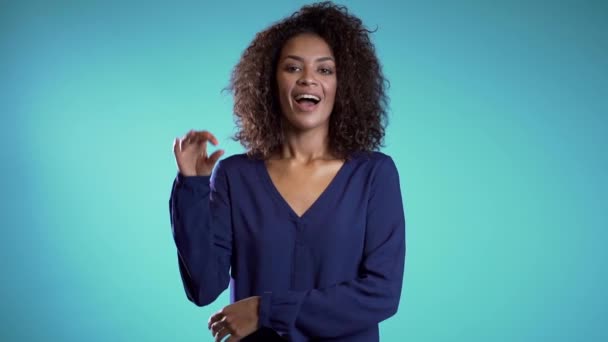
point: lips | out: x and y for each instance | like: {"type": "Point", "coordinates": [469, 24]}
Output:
{"type": "Point", "coordinates": [306, 102]}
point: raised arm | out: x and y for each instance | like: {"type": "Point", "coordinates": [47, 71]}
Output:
{"type": "Point", "coordinates": [199, 208]}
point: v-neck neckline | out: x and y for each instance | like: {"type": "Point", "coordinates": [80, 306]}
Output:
{"type": "Point", "coordinates": [317, 202]}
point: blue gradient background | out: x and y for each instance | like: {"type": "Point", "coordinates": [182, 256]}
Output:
{"type": "Point", "coordinates": [499, 128]}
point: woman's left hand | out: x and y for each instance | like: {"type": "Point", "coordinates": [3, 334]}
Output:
{"type": "Point", "coordinates": [238, 319]}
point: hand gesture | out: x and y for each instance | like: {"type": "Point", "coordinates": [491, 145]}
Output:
{"type": "Point", "coordinates": [238, 320]}
{"type": "Point", "coordinates": [191, 153]}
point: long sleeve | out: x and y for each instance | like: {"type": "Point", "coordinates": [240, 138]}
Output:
{"type": "Point", "coordinates": [351, 306]}
{"type": "Point", "coordinates": [199, 208]}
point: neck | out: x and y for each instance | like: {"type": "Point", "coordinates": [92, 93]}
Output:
{"type": "Point", "coordinates": [306, 146]}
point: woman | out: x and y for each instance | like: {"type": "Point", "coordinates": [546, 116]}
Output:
{"type": "Point", "coordinates": [309, 223]}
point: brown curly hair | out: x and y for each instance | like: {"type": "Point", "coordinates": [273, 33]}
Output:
{"type": "Point", "coordinates": [359, 116]}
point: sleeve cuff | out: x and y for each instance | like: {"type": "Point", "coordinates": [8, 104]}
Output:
{"type": "Point", "coordinates": [265, 302]}
{"type": "Point", "coordinates": [193, 181]}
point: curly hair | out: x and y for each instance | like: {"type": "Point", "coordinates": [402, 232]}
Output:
{"type": "Point", "coordinates": [359, 117]}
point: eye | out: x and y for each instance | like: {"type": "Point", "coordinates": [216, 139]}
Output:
{"type": "Point", "coordinates": [292, 68]}
{"type": "Point", "coordinates": [326, 71]}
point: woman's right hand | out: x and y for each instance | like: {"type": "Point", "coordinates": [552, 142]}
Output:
{"type": "Point", "coordinates": [191, 153]}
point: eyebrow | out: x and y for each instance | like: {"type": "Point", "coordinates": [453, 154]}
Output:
{"type": "Point", "coordinates": [320, 59]}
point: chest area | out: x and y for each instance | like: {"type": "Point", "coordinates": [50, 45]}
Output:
{"type": "Point", "coordinates": [301, 186]}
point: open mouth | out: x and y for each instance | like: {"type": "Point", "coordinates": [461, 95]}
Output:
{"type": "Point", "coordinates": [307, 102]}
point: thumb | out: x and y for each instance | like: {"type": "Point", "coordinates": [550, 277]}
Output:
{"type": "Point", "coordinates": [215, 156]}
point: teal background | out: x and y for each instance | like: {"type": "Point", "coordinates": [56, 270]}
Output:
{"type": "Point", "coordinates": [499, 128]}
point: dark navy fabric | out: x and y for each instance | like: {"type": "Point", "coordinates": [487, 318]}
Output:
{"type": "Point", "coordinates": [330, 275]}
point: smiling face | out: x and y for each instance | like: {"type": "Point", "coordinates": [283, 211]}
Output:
{"type": "Point", "coordinates": [306, 81]}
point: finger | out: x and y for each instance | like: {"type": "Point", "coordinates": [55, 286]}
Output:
{"type": "Point", "coordinates": [221, 334]}
{"type": "Point", "coordinates": [217, 326]}
{"type": "Point", "coordinates": [214, 318]}
{"type": "Point", "coordinates": [194, 138]}
{"type": "Point", "coordinates": [190, 136]}
{"type": "Point", "coordinates": [207, 136]}
{"type": "Point", "coordinates": [185, 140]}
{"type": "Point", "coordinates": [215, 156]}
{"type": "Point", "coordinates": [176, 145]}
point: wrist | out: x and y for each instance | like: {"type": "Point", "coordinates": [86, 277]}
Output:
{"type": "Point", "coordinates": [188, 173]}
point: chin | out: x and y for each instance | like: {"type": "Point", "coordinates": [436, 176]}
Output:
{"type": "Point", "coordinates": [307, 121]}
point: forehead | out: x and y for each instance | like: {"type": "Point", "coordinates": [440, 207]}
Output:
{"type": "Point", "coordinates": [306, 45]}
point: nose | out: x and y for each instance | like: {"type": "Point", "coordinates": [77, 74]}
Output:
{"type": "Point", "coordinates": [306, 78]}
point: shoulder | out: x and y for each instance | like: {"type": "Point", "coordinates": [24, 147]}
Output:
{"type": "Point", "coordinates": [236, 160]}
{"type": "Point", "coordinates": [375, 167]}
{"type": "Point", "coordinates": [236, 163]}
{"type": "Point", "coordinates": [374, 159]}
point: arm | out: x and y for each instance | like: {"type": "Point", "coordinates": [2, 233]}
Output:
{"type": "Point", "coordinates": [200, 219]}
{"type": "Point", "coordinates": [373, 296]}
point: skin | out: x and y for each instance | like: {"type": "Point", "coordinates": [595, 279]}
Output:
{"type": "Point", "coordinates": [191, 153]}
{"type": "Point", "coordinates": [305, 165]}
{"type": "Point", "coordinates": [306, 65]}
{"type": "Point", "coordinates": [300, 170]}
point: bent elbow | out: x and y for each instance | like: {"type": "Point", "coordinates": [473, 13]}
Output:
{"type": "Point", "coordinates": [393, 309]}
{"type": "Point", "coordinates": [200, 302]}
{"type": "Point", "coordinates": [201, 298]}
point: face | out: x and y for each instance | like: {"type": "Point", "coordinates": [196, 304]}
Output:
{"type": "Point", "coordinates": [306, 80]}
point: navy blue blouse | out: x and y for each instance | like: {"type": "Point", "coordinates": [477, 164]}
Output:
{"type": "Point", "coordinates": [330, 275]}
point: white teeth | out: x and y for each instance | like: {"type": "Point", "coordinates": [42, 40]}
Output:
{"type": "Point", "coordinates": [307, 96]}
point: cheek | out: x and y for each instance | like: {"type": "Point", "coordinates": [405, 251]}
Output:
{"type": "Point", "coordinates": [331, 90]}
{"type": "Point", "coordinates": [281, 90]}
{"type": "Point", "coordinates": [283, 86]}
